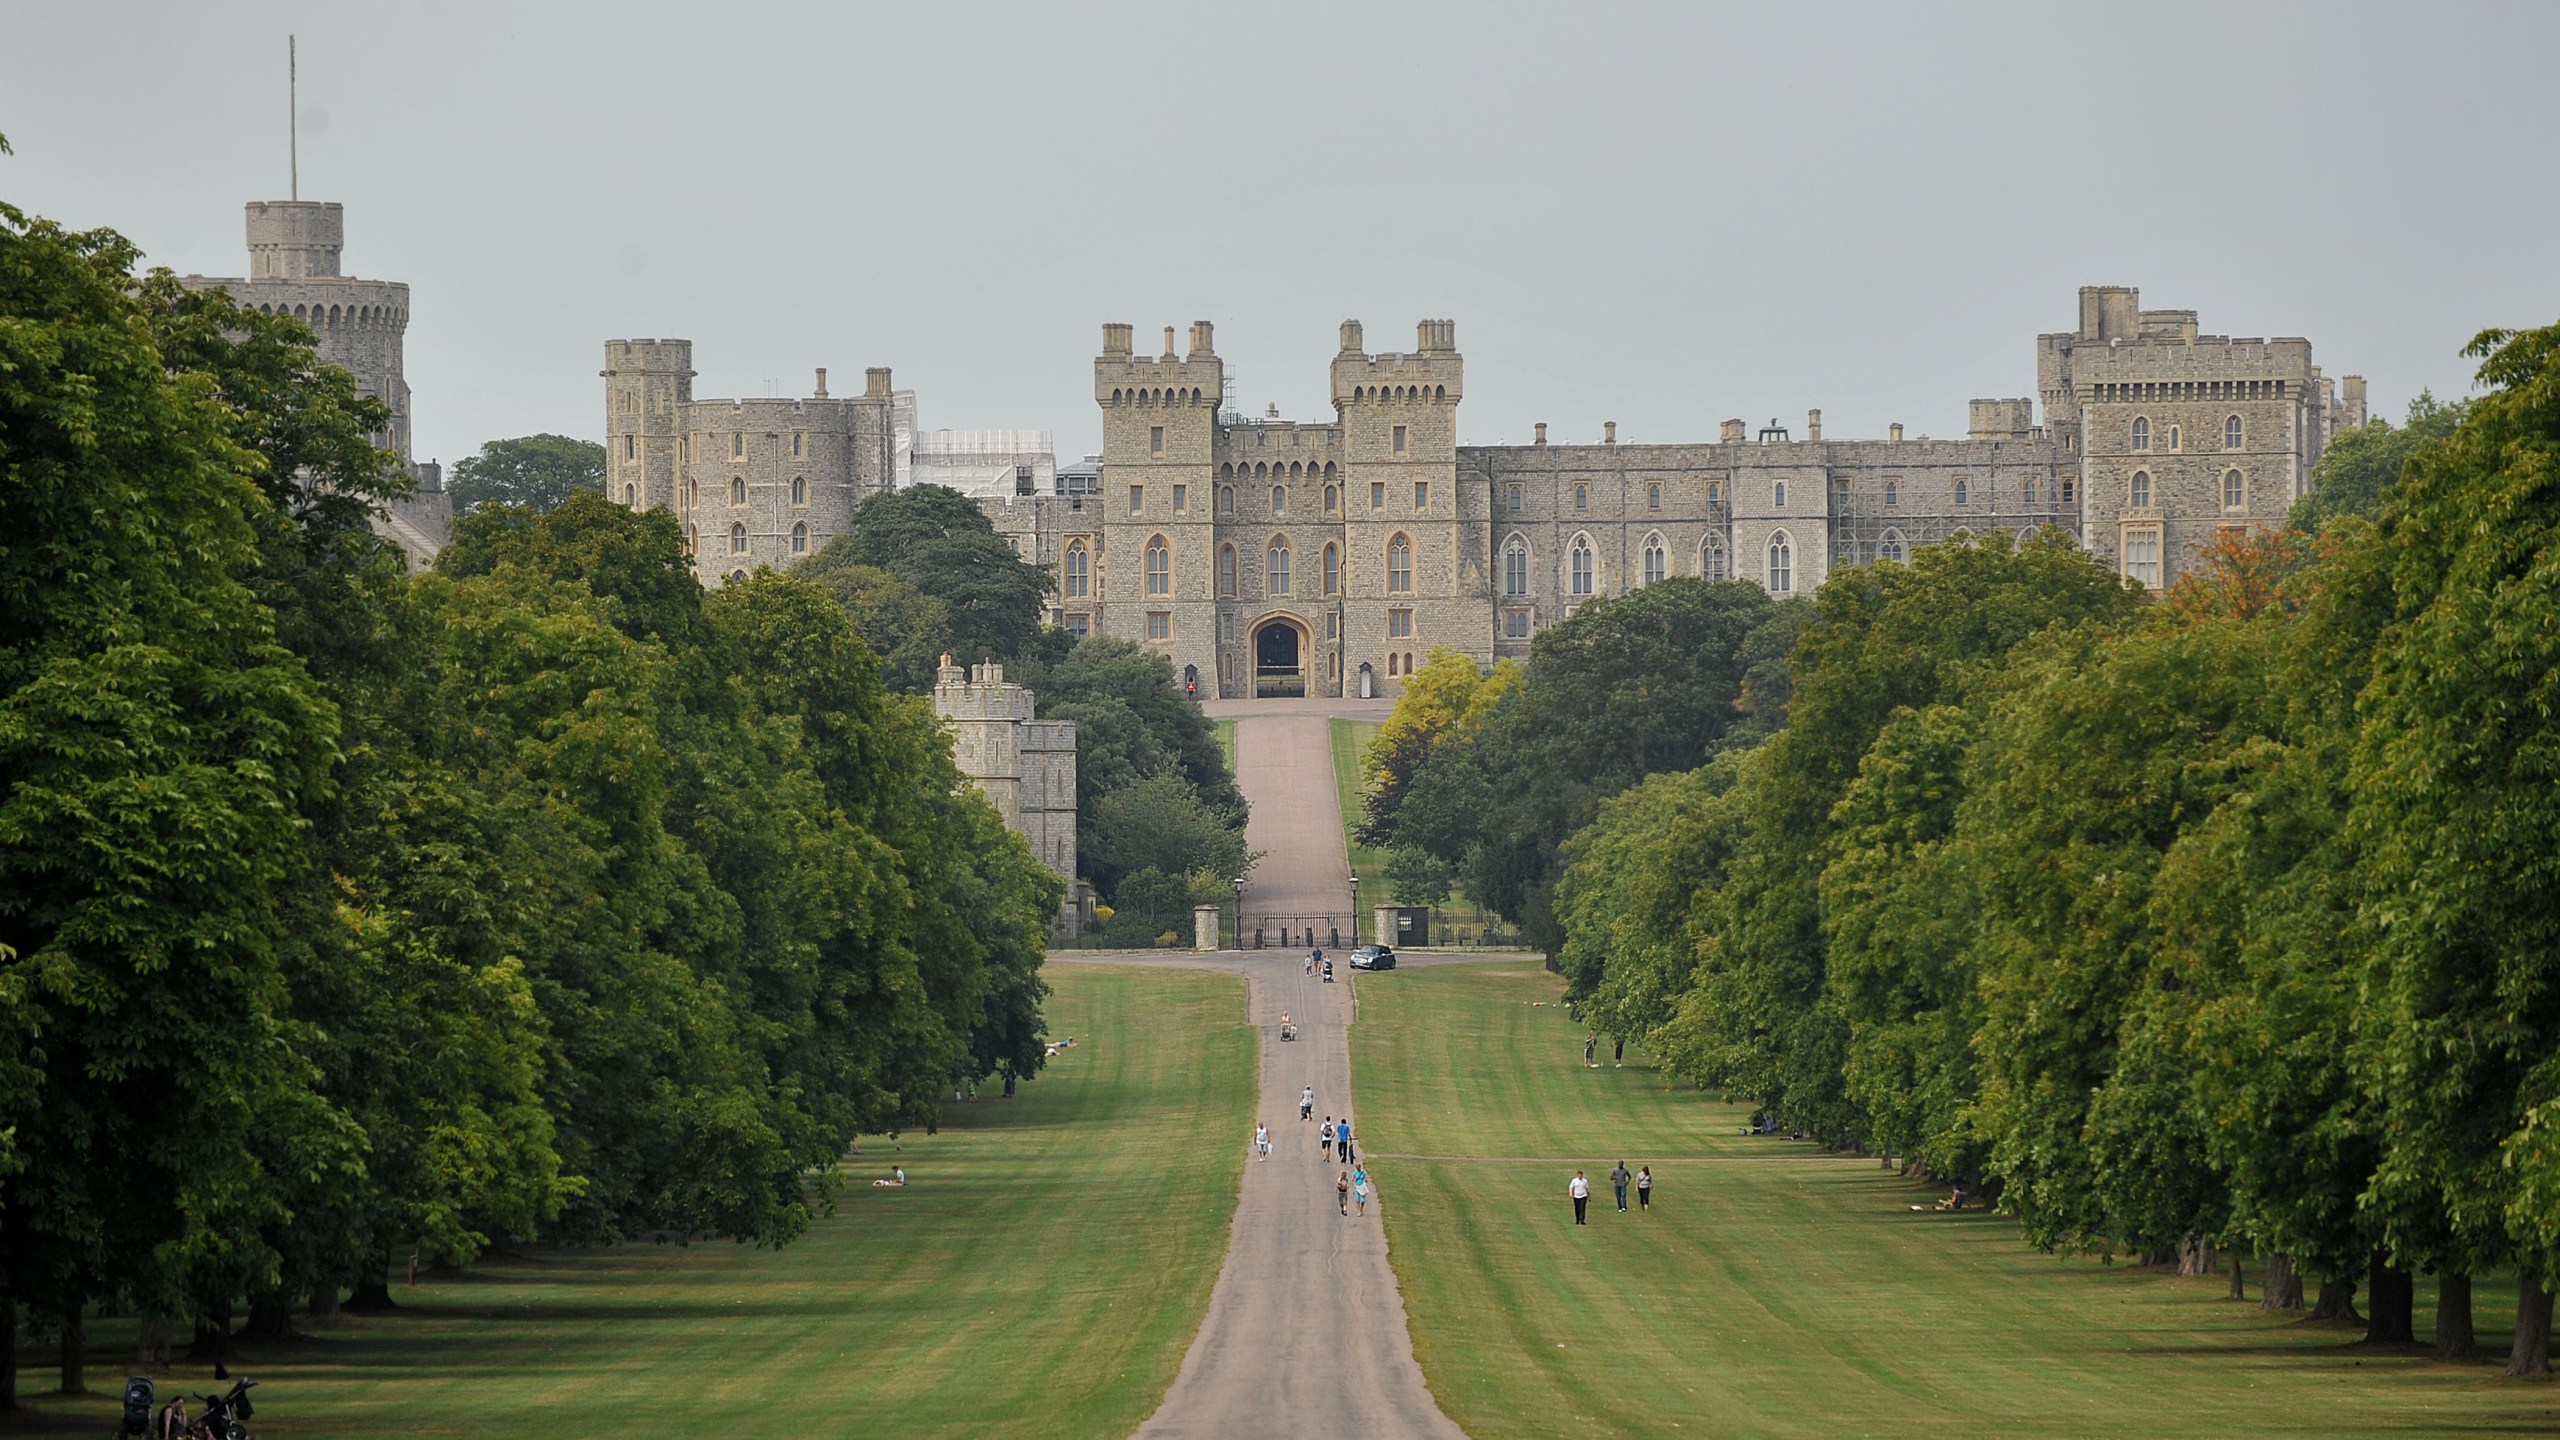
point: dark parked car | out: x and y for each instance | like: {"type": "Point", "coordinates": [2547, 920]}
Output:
{"type": "Point", "coordinates": [1373, 957]}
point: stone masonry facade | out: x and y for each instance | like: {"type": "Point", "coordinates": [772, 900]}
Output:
{"type": "Point", "coordinates": [1265, 556]}
{"type": "Point", "coordinates": [1026, 767]}
{"type": "Point", "coordinates": [361, 326]}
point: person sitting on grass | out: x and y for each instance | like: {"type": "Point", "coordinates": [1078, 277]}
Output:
{"type": "Point", "coordinates": [897, 1178]}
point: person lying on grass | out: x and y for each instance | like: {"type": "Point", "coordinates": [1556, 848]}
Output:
{"type": "Point", "coordinates": [897, 1177]}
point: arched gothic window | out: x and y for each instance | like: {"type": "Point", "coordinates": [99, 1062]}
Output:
{"type": "Point", "coordinates": [2028, 491]}
{"type": "Point", "coordinates": [2174, 439]}
{"type": "Point", "coordinates": [1279, 567]}
{"type": "Point", "coordinates": [737, 491]}
{"type": "Point", "coordinates": [1515, 567]}
{"type": "Point", "coordinates": [799, 490]}
{"type": "Point", "coordinates": [1159, 567]}
{"type": "Point", "coordinates": [1578, 567]}
{"type": "Point", "coordinates": [800, 538]}
{"type": "Point", "coordinates": [1227, 500]}
{"type": "Point", "coordinates": [2235, 491]}
{"type": "Point", "coordinates": [1778, 495]}
{"type": "Point", "coordinates": [1964, 491]}
{"type": "Point", "coordinates": [1332, 570]}
{"type": "Point", "coordinates": [1893, 492]}
{"type": "Point", "coordinates": [1892, 548]}
{"type": "Point", "coordinates": [1656, 563]}
{"type": "Point", "coordinates": [1711, 566]}
{"type": "Point", "coordinates": [1782, 564]}
{"type": "Point", "coordinates": [2141, 433]}
{"type": "Point", "coordinates": [1332, 499]}
{"type": "Point", "coordinates": [2138, 494]}
{"type": "Point", "coordinates": [692, 538]}
{"type": "Point", "coordinates": [1079, 571]}
{"type": "Point", "coordinates": [2232, 434]}
{"type": "Point", "coordinates": [1399, 566]}
{"type": "Point", "coordinates": [1227, 570]}
{"type": "Point", "coordinates": [737, 538]}
{"type": "Point", "coordinates": [631, 496]}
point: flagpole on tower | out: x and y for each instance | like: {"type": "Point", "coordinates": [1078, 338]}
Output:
{"type": "Point", "coordinates": [293, 114]}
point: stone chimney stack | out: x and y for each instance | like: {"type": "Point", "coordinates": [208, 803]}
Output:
{"type": "Point", "coordinates": [875, 383]}
{"type": "Point", "coordinates": [1542, 432]}
{"type": "Point", "coordinates": [1351, 338]}
{"type": "Point", "coordinates": [1200, 339]}
{"type": "Point", "coordinates": [1813, 425]}
{"type": "Point", "coordinates": [1168, 342]}
{"type": "Point", "coordinates": [1608, 432]}
{"type": "Point", "coordinates": [1730, 433]}
{"type": "Point", "coordinates": [1896, 432]}
{"type": "Point", "coordinates": [1116, 340]}
{"type": "Point", "coordinates": [821, 392]}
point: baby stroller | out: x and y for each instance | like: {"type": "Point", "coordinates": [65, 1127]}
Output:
{"type": "Point", "coordinates": [1328, 972]}
{"type": "Point", "coordinates": [1288, 1029]}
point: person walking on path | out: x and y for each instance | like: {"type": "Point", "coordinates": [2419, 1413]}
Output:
{"type": "Point", "coordinates": [1621, 1056]}
{"type": "Point", "coordinates": [1580, 1190]}
{"type": "Point", "coordinates": [1342, 1140]}
{"type": "Point", "coordinates": [1261, 1141]}
{"type": "Point", "coordinates": [1307, 1103]}
{"type": "Point", "coordinates": [1618, 1178]}
{"type": "Point", "coordinates": [1644, 1188]}
{"type": "Point", "coordinates": [1342, 1193]}
{"type": "Point", "coordinates": [1324, 1137]}
{"type": "Point", "coordinates": [1360, 1189]}
{"type": "Point", "coordinates": [1590, 1047]}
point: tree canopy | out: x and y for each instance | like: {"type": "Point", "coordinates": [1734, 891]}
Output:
{"type": "Point", "coordinates": [537, 472]}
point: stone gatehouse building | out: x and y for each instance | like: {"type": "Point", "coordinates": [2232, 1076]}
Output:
{"type": "Point", "coordinates": [1269, 556]}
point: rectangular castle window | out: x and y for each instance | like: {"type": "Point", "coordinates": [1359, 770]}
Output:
{"type": "Point", "coordinates": [1399, 439]}
{"type": "Point", "coordinates": [1377, 494]}
{"type": "Point", "coordinates": [1399, 624]}
{"type": "Point", "coordinates": [1653, 497]}
{"type": "Point", "coordinates": [1515, 624]}
{"type": "Point", "coordinates": [1155, 440]}
{"type": "Point", "coordinates": [1333, 625]}
{"type": "Point", "coordinates": [1159, 624]}
{"type": "Point", "coordinates": [795, 444]}
{"type": "Point", "coordinates": [1421, 494]}
{"type": "Point", "coordinates": [1181, 498]}
{"type": "Point", "coordinates": [1137, 498]}
{"type": "Point", "coordinates": [1511, 499]}
{"type": "Point", "coordinates": [2142, 555]}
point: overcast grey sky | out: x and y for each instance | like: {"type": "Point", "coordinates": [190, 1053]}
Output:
{"type": "Point", "coordinates": [1659, 215]}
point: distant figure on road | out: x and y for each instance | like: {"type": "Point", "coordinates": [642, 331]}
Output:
{"type": "Point", "coordinates": [1644, 1188]}
{"type": "Point", "coordinates": [1580, 1190]}
{"type": "Point", "coordinates": [1342, 1140]}
{"type": "Point", "coordinates": [1590, 1047]}
{"type": "Point", "coordinates": [1342, 1193]}
{"type": "Point", "coordinates": [1307, 1103]}
{"type": "Point", "coordinates": [1324, 1137]}
{"type": "Point", "coordinates": [1360, 1189]}
{"type": "Point", "coordinates": [1261, 1141]}
{"type": "Point", "coordinates": [1618, 1178]}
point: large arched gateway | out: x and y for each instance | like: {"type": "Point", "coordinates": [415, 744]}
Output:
{"type": "Point", "coordinates": [1281, 652]}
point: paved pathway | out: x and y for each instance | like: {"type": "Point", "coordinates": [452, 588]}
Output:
{"type": "Point", "coordinates": [1305, 1333]}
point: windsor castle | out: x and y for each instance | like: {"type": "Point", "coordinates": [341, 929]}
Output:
{"type": "Point", "coordinates": [1274, 557]}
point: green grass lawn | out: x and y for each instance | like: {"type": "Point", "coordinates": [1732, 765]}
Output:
{"type": "Point", "coordinates": [1776, 1290]}
{"type": "Point", "coordinates": [1350, 740]}
{"type": "Point", "coordinates": [1043, 1273]}
{"type": "Point", "coordinates": [1226, 731]}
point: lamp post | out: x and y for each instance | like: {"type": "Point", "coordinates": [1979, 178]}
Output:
{"type": "Point", "coordinates": [1355, 909]}
{"type": "Point", "coordinates": [1239, 912]}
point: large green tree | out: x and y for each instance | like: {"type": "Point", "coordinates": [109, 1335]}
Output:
{"type": "Point", "coordinates": [2456, 786]}
{"type": "Point", "coordinates": [534, 471]}
{"type": "Point", "coordinates": [939, 541]}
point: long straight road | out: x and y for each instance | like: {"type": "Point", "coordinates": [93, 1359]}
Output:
{"type": "Point", "coordinates": [1305, 1332]}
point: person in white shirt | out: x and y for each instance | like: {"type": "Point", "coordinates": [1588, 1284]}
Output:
{"type": "Point", "coordinates": [1580, 1190]}
{"type": "Point", "coordinates": [1261, 1141]}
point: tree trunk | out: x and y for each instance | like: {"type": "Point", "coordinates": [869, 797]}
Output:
{"type": "Point", "coordinates": [151, 1342]}
{"type": "Point", "coordinates": [213, 1335]}
{"type": "Point", "coordinates": [75, 1340]}
{"type": "Point", "coordinates": [2195, 1258]}
{"type": "Point", "coordinates": [2532, 1352]}
{"type": "Point", "coordinates": [324, 1299]}
{"type": "Point", "coordinates": [2391, 1295]}
{"type": "Point", "coordinates": [373, 1285]}
{"type": "Point", "coordinates": [8, 1355]}
{"type": "Point", "coordinates": [2284, 1284]}
{"type": "Point", "coordinates": [270, 1318]}
{"type": "Point", "coordinates": [2454, 1337]}
{"type": "Point", "coordinates": [2239, 1278]}
{"type": "Point", "coordinates": [2337, 1300]}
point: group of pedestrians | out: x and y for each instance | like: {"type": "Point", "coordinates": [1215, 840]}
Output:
{"type": "Point", "coordinates": [1336, 1143]}
{"type": "Point", "coordinates": [1579, 1187]}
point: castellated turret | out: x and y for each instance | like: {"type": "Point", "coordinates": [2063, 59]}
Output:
{"type": "Point", "coordinates": [1025, 767]}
